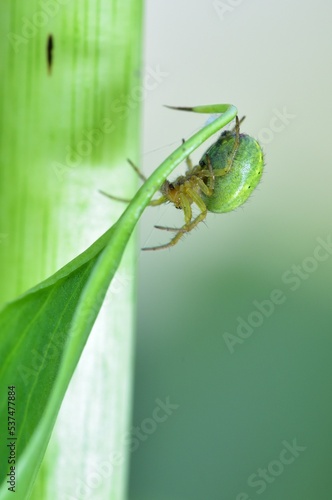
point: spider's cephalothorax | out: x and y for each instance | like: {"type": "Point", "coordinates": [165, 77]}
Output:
{"type": "Point", "coordinates": [222, 181]}
{"type": "Point", "coordinates": [184, 189]}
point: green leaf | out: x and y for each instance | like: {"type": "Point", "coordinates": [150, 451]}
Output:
{"type": "Point", "coordinates": [44, 331]}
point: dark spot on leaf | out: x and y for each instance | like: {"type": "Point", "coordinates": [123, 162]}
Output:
{"type": "Point", "coordinates": [49, 53]}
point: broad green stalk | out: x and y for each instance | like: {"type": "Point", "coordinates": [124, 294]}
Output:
{"type": "Point", "coordinates": [69, 118]}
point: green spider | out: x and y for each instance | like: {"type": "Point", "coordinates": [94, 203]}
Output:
{"type": "Point", "coordinates": [222, 181]}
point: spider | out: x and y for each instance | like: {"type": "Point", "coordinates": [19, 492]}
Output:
{"type": "Point", "coordinates": [222, 181]}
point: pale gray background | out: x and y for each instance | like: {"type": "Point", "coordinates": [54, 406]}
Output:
{"type": "Point", "coordinates": [235, 410]}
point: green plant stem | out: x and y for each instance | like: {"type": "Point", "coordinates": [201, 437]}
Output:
{"type": "Point", "coordinates": [63, 137]}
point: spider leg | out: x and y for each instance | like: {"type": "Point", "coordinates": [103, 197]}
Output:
{"type": "Point", "coordinates": [235, 147]}
{"type": "Point", "coordinates": [189, 162]}
{"type": "Point", "coordinates": [240, 121]}
{"type": "Point", "coordinates": [153, 203]}
{"type": "Point", "coordinates": [186, 207]}
{"type": "Point", "coordinates": [211, 177]}
{"type": "Point", "coordinates": [137, 170]}
{"type": "Point", "coordinates": [209, 174]}
{"type": "Point", "coordinates": [116, 198]}
{"type": "Point", "coordinates": [220, 172]}
{"type": "Point", "coordinates": [190, 224]}
{"type": "Point", "coordinates": [158, 201]}
{"type": "Point", "coordinates": [180, 233]}
{"type": "Point", "coordinates": [204, 188]}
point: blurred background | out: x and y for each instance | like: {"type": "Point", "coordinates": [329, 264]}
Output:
{"type": "Point", "coordinates": [233, 372]}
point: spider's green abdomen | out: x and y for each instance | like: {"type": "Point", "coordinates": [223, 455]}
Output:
{"type": "Point", "coordinates": [234, 188]}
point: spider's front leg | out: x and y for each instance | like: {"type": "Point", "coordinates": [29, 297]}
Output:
{"type": "Point", "coordinates": [186, 198]}
{"type": "Point", "coordinates": [190, 165]}
{"type": "Point", "coordinates": [211, 173]}
{"type": "Point", "coordinates": [230, 161]}
{"type": "Point", "coordinates": [126, 200]}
